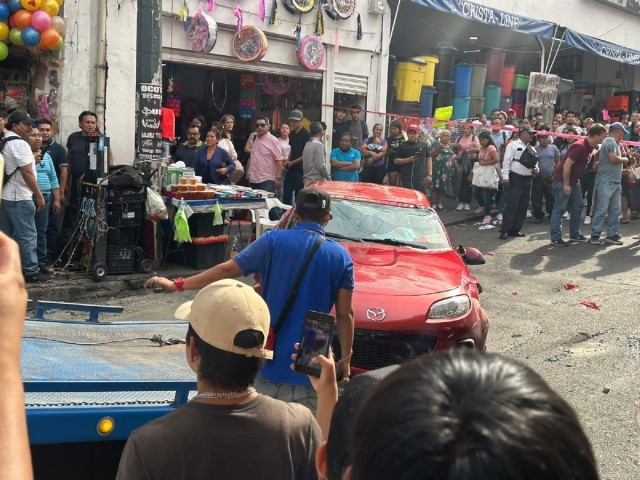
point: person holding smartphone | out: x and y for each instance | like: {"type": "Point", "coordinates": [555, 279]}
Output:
{"type": "Point", "coordinates": [413, 159]}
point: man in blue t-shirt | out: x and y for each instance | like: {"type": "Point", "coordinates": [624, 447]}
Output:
{"type": "Point", "coordinates": [278, 257]}
{"type": "Point", "coordinates": [345, 160]}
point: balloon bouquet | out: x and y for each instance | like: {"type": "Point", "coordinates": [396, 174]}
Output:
{"type": "Point", "coordinates": [31, 23]}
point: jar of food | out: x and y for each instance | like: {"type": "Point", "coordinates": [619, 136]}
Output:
{"type": "Point", "coordinates": [192, 188]}
{"type": "Point", "coordinates": [182, 188]}
{"type": "Point", "coordinates": [209, 194]}
{"type": "Point", "coordinates": [193, 181]}
{"type": "Point", "coordinates": [201, 187]}
{"type": "Point", "coordinates": [183, 181]}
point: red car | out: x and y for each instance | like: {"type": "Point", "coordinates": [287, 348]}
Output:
{"type": "Point", "coordinates": [413, 292]}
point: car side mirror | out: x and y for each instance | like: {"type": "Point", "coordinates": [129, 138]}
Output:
{"type": "Point", "coordinates": [471, 256]}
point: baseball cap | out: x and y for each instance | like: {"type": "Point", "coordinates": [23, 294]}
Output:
{"type": "Point", "coordinates": [313, 198]}
{"type": "Point", "coordinates": [20, 116]}
{"type": "Point", "coordinates": [296, 115]}
{"type": "Point", "coordinates": [525, 128]}
{"type": "Point", "coordinates": [511, 110]}
{"type": "Point", "coordinates": [222, 310]}
{"type": "Point", "coordinates": [617, 126]}
{"type": "Point", "coordinates": [344, 415]}
{"type": "Point", "coordinates": [413, 127]}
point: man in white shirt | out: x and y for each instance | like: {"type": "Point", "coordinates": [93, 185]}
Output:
{"type": "Point", "coordinates": [18, 210]}
{"type": "Point", "coordinates": [518, 178]}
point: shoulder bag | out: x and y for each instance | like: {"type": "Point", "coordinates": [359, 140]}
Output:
{"type": "Point", "coordinates": [529, 157]}
{"type": "Point", "coordinates": [486, 176]}
{"type": "Point", "coordinates": [273, 331]}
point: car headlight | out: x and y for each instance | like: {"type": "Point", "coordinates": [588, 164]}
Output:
{"type": "Point", "coordinates": [450, 307]}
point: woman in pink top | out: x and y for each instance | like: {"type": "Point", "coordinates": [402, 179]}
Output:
{"type": "Point", "coordinates": [467, 144]}
{"type": "Point", "coordinates": [488, 161]}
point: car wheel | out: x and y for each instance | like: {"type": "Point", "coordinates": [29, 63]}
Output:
{"type": "Point", "coordinates": [146, 266]}
{"type": "Point", "coordinates": [99, 272]}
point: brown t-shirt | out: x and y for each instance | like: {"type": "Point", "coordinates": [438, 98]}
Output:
{"type": "Point", "coordinates": [260, 439]}
{"type": "Point", "coordinates": [578, 152]}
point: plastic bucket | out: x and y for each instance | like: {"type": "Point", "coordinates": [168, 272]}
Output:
{"type": "Point", "coordinates": [478, 77]}
{"type": "Point", "coordinates": [476, 106]}
{"type": "Point", "coordinates": [461, 107]}
{"type": "Point", "coordinates": [494, 59]}
{"type": "Point", "coordinates": [408, 81]}
{"type": "Point", "coordinates": [519, 96]}
{"type": "Point", "coordinates": [446, 54]}
{"type": "Point", "coordinates": [430, 70]}
{"type": "Point", "coordinates": [462, 80]}
{"type": "Point", "coordinates": [426, 101]}
{"type": "Point", "coordinates": [445, 93]}
{"type": "Point", "coordinates": [492, 93]}
{"type": "Point", "coordinates": [412, 109]}
{"type": "Point", "coordinates": [520, 82]}
{"type": "Point", "coordinates": [505, 102]}
{"type": "Point", "coordinates": [507, 79]}
{"type": "Point", "coordinates": [519, 110]}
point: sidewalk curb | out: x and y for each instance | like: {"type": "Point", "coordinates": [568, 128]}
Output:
{"type": "Point", "coordinates": [461, 221]}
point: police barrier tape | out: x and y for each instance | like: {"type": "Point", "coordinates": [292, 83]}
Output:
{"type": "Point", "coordinates": [408, 119]}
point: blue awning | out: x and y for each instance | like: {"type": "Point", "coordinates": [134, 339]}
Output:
{"type": "Point", "coordinates": [491, 16]}
{"type": "Point", "coordinates": [601, 47]}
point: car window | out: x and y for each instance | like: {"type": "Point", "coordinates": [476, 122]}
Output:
{"type": "Point", "coordinates": [364, 220]}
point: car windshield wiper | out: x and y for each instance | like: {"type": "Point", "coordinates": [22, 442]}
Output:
{"type": "Point", "coordinates": [342, 237]}
{"type": "Point", "coordinates": [392, 241]}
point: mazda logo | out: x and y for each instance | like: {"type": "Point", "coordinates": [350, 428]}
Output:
{"type": "Point", "coordinates": [376, 314]}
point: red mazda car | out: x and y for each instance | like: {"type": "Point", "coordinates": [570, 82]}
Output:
{"type": "Point", "coordinates": [413, 292]}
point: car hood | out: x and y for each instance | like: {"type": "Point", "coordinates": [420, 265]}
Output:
{"type": "Point", "coordinates": [403, 271]}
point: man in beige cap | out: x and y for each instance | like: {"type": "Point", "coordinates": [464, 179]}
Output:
{"type": "Point", "coordinates": [227, 422]}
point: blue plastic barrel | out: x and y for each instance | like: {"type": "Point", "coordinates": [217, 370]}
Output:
{"type": "Point", "coordinates": [461, 107]}
{"type": "Point", "coordinates": [426, 101]}
{"type": "Point", "coordinates": [462, 79]}
{"type": "Point", "coordinates": [505, 102]}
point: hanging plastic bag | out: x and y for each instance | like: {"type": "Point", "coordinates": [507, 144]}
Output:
{"type": "Point", "coordinates": [217, 214]}
{"type": "Point", "coordinates": [155, 207]}
{"type": "Point", "coordinates": [181, 225]}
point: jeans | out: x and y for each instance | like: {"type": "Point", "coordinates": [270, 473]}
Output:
{"type": "Point", "coordinates": [42, 222]}
{"type": "Point", "coordinates": [293, 183]}
{"type": "Point", "coordinates": [504, 195]}
{"type": "Point", "coordinates": [17, 221]}
{"type": "Point", "coordinates": [609, 198]}
{"type": "Point", "coordinates": [288, 393]}
{"type": "Point", "coordinates": [515, 211]}
{"type": "Point", "coordinates": [267, 186]}
{"type": "Point", "coordinates": [566, 203]}
{"type": "Point", "coordinates": [373, 174]}
{"type": "Point", "coordinates": [465, 193]}
{"type": "Point", "coordinates": [484, 197]}
{"type": "Point", "coordinates": [542, 187]}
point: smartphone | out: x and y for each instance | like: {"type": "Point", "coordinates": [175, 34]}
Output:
{"type": "Point", "coordinates": [314, 340]}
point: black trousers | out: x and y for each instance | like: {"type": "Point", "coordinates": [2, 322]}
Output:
{"type": "Point", "coordinates": [465, 192]}
{"type": "Point", "coordinates": [373, 174]}
{"type": "Point", "coordinates": [588, 185]}
{"type": "Point", "coordinates": [515, 212]}
{"type": "Point", "coordinates": [542, 187]}
{"type": "Point", "coordinates": [293, 183]}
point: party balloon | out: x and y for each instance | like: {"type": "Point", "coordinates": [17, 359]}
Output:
{"type": "Point", "coordinates": [40, 20]}
{"type": "Point", "coordinates": [23, 18]}
{"type": "Point", "coordinates": [59, 45]}
{"type": "Point", "coordinates": [50, 6]}
{"type": "Point", "coordinates": [4, 51]}
{"type": "Point", "coordinates": [31, 5]}
{"type": "Point", "coordinates": [30, 36]}
{"type": "Point", "coordinates": [60, 2]}
{"type": "Point", "coordinates": [14, 5]}
{"type": "Point", "coordinates": [59, 24]}
{"type": "Point", "coordinates": [14, 36]}
{"type": "Point", "coordinates": [49, 37]}
{"type": "Point", "coordinates": [4, 12]}
{"type": "Point", "coordinates": [4, 31]}
{"type": "Point", "coordinates": [12, 21]}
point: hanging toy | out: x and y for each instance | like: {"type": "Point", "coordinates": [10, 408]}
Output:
{"type": "Point", "coordinates": [298, 32]}
{"type": "Point", "coordinates": [320, 22]}
{"type": "Point", "coordinates": [273, 17]}
{"type": "Point", "coordinates": [359, 34]}
{"type": "Point", "coordinates": [211, 5]}
{"type": "Point", "coordinates": [183, 13]}
{"type": "Point", "coordinates": [238, 14]}
{"type": "Point", "coordinates": [262, 9]}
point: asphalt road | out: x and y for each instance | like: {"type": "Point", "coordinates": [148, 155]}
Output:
{"type": "Point", "coordinates": [582, 352]}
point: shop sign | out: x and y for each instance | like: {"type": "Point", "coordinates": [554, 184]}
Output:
{"type": "Point", "coordinates": [150, 121]}
{"type": "Point", "coordinates": [581, 88]}
{"type": "Point", "coordinates": [602, 48]}
{"type": "Point", "coordinates": [629, 6]}
{"type": "Point", "coordinates": [491, 16]}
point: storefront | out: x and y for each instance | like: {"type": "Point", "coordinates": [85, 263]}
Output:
{"type": "Point", "coordinates": [337, 66]}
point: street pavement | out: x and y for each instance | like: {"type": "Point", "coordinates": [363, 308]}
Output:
{"type": "Point", "coordinates": [590, 356]}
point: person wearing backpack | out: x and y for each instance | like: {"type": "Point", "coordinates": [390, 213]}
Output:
{"type": "Point", "coordinates": [468, 144]}
{"type": "Point", "coordinates": [20, 188]}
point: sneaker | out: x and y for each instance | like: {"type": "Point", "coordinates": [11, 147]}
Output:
{"type": "Point", "coordinates": [486, 219]}
{"type": "Point", "coordinates": [560, 242]}
{"type": "Point", "coordinates": [587, 220]}
{"type": "Point", "coordinates": [581, 238]}
{"type": "Point", "coordinates": [538, 220]}
{"type": "Point", "coordinates": [37, 278]}
{"type": "Point", "coordinates": [478, 210]}
{"type": "Point", "coordinates": [614, 240]}
{"type": "Point", "coordinates": [595, 240]}
{"type": "Point", "coordinates": [440, 207]}
{"type": "Point", "coordinates": [467, 207]}
{"type": "Point", "coordinates": [499, 217]}
{"type": "Point", "coordinates": [459, 207]}
{"type": "Point", "coordinates": [565, 215]}
{"type": "Point", "coordinates": [45, 269]}
{"type": "Point", "coordinates": [529, 214]}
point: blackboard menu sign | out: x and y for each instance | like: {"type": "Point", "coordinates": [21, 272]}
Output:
{"type": "Point", "coordinates": [149, 129]}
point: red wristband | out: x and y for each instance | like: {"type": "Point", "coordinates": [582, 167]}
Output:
{"type": "Point", "coordinates": [179, 283]}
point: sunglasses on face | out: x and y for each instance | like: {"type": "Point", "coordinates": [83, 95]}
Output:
{"type": "Point", "coordinates": [261, 125]}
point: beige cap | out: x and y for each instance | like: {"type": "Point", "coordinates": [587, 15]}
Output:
{"type": "Point", "coordinates": [222, 310]}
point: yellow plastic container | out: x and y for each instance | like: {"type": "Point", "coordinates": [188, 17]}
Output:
{"type": "Point", "coordinates": [408, 81]}
{"type": "Point", "coordinates": [430, 70]}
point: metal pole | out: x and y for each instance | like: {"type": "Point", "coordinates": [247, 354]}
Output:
{"type": "Point", "coordinates": [395, 19]}
{"type": "Point", "coordinates": [101, 64]}
{"type": "Point", "coordinates": [541, 55]}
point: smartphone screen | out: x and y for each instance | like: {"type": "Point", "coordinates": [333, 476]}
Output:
{"type": "Point", "coordinates": [314, 340]}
